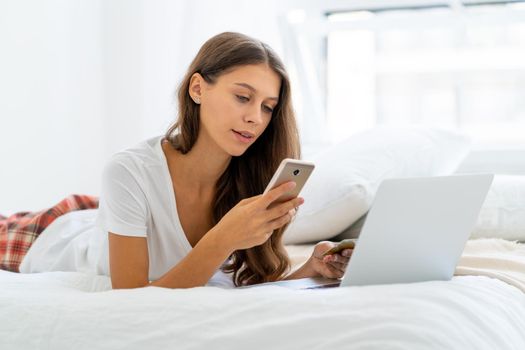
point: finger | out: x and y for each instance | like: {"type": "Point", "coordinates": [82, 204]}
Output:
{"type": "Point", "coordinates": [338, 266]}
{"type": "Point", "coordinates": [333, 272]}
{"type": "Point", "coordinates": [284, 208]}
{"type": "Point", "coordinates": [276, 192]}
{"type": "Point", "coordinates": [337, 258]}
{"type": "Point", "coordinates": [280, 221]}
{"type": "Point", "coordinates": [347, 252]}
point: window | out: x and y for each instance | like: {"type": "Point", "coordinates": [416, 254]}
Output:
{"type": "Point", "coordinates": [452, 65]}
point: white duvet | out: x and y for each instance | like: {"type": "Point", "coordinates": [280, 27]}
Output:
{"type": "Point", "coordinates": [69, 310]}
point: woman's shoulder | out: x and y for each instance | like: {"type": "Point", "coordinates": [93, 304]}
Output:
{"type": "Point", "coordinates": [141, 154]}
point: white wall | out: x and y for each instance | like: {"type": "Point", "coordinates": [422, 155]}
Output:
{"type": "Point", "coordinates": [51, 101]}
{"type": "Point", "coordinates": [82, 79]}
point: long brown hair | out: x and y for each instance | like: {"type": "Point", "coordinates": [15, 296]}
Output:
{"type": "Point", "coordinates": [246, 175]}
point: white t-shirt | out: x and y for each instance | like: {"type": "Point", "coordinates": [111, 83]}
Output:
{"type": "Point", "coordinates": [137, 199]}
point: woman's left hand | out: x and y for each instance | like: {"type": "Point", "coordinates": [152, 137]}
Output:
{"type": "Point", "coordinates": [330, 266]}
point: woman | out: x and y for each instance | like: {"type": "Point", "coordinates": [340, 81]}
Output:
{"type": "Point", "coordinates": [184, 209]}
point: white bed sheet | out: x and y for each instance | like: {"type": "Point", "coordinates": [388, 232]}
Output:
{"type": "Point", "coordinates": [70, 310]}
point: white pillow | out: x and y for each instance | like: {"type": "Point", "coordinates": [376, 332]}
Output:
{"type": "Point", "coordinates": [347, 175]}
{"type": "Point", "coordinates": [502, 215]}
{"type": "Point", "coordinates": [503, 212]}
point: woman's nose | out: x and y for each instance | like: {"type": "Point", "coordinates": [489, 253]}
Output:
{"type": "Point", "coordinates": [254, 115]}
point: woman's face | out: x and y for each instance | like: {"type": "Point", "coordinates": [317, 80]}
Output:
{"type": "Point", "coordinates": [237, 108]}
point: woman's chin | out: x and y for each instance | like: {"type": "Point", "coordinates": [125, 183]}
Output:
{"type": "Point", "coordinates": [237, 153]}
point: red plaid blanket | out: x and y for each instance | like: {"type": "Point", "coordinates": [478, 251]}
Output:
{"type": "Point", "coordinates": [19, 231]}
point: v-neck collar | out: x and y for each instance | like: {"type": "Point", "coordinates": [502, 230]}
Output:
{"type": "Point", "coordinates": [171, 194]}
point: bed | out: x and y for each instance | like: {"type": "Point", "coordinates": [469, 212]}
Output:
{"type": "Point", "coordinates": [71, 310]}
{"type": "Point", "coordinates": [482, 307]}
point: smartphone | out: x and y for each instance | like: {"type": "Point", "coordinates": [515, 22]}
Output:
{"type": "Point", "coordinates": [344, 244]}
{"type": "Point", "coordinates": [290, 170]}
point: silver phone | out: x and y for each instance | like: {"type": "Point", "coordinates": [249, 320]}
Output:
{"type": "Point", "coordinates": [290, 170]}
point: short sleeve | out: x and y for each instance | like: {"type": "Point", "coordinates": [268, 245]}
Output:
{"type": "Point", "coordinates": [123, 207]}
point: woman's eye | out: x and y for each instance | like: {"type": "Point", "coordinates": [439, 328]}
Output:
{"type": "Point", "coordinates": [242, 98]}
{"type": "Point", "coordinates": [268, 109]}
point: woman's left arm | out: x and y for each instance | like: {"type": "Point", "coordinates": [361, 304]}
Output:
{"type": "Point", "coordinates": [330, 266]}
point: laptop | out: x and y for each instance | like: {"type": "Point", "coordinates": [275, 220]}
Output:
{"type": "Point", "coordinates": [415, 231]}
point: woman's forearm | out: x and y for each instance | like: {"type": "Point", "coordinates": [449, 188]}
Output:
{"type": "Point", "coordinates": [198, 266]}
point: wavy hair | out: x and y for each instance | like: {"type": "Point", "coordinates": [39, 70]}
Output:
{"type": "Point", "coordinates": [220, 54]}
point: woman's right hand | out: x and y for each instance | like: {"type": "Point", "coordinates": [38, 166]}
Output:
{"type": "Point", "coordinates": [252, 221]}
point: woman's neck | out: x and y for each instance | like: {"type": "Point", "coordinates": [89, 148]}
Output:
{"type": "Point", "coordinates": [199, 169]}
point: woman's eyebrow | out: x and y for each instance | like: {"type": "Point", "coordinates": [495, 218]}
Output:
{"type": "Point", "coordinates": [249, 87]}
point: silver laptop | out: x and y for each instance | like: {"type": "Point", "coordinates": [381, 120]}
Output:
{"type": "Point", "coordinates": [415, 231]}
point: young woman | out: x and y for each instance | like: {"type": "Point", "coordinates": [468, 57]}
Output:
{"type": "Point", "coordinates": [185, 209]}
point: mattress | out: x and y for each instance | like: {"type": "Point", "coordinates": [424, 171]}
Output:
{"type": "Point", "coordinates": [72, 310]}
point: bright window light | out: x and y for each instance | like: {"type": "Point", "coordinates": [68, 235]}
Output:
{"type": "Point", "coordinates": [461, 69]}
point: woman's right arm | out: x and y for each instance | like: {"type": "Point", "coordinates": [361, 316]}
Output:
{"type": "Point", "coordinates": [250, 223]}
{"type": "Point", "coordinates": [129, 263]}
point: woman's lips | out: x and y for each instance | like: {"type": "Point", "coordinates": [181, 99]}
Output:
{"type": "Point", "coordinates": [242, 138]}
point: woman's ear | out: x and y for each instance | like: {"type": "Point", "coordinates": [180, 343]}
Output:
{"type": "Point", "coordinates": [195, 88]}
